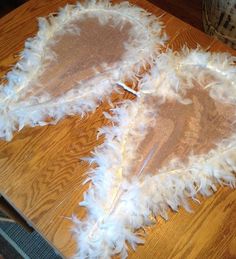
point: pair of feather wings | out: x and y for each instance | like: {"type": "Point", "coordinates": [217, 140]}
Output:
{"type": "Point", "coordinates": [175, 140]}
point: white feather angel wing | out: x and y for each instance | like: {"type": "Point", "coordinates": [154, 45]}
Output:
{"type": "Point", "coordinates": [75, 60]}
{"type": "Point", "coordinates": [176, 140]}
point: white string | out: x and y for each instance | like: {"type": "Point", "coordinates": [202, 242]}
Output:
{"type": "Point", "coordinates": [128, 89]}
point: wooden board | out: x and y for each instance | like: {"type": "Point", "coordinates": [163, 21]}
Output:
{"type": "Point", "coordinates": [41, 172]}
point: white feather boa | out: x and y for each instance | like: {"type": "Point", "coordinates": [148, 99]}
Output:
{"type": "Point", "coordinates": [118, 202]}
{"type": "Point", "coordinates": [145, 33]}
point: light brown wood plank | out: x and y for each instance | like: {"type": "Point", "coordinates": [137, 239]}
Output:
{"type": "Point", "coordinates": [208, 232]}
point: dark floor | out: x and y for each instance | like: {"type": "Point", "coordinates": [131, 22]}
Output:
{"type": "Point", "coordinates": [16, 242]}
{"type": "Point", "coordinates": [7, 251]}
{"type": "Point", "coordinates": [189, 11]}
{"type": "Point", "coordinates": [8, 5]}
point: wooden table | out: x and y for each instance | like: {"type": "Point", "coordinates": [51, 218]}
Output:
{"type": "Point", "coordinates": [41, 173]}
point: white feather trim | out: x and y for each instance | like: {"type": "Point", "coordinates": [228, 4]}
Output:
{"type": "Point", "coordinates": [141, 49]}
{"type": "Point", "coordinates": [104, 234]}
{"type": "Point", "coordinates": [175, 73]}
{"type": "Point", "coordinates": [118, 202]}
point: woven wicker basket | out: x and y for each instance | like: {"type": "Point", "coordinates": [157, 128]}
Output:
{"type": "Point", "coordinates": [219, 19]}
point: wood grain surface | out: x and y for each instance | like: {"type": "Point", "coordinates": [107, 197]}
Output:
{"type": "Point", "coordinates": [41, 172]}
